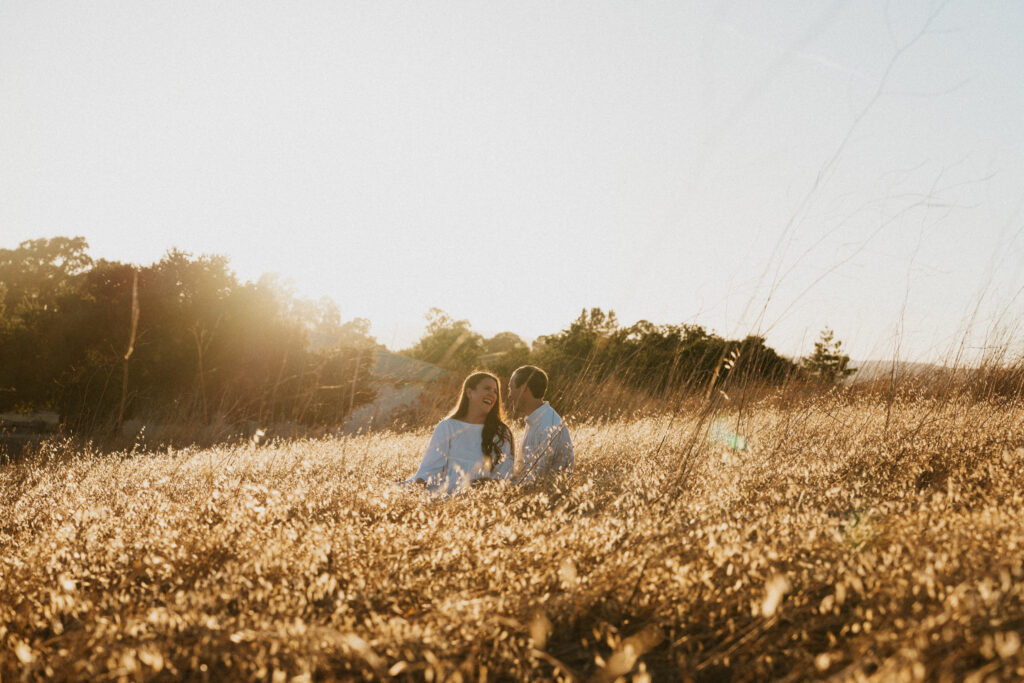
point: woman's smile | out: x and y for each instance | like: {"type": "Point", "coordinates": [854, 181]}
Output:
{"type": "Point", "coordinates": [483, 398]}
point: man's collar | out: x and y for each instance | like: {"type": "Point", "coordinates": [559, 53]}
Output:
{"type": "Point", "coordinates": [535, 415]}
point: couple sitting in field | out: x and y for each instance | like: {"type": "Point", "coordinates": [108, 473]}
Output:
{"type": "Point", "coordinates": [473, 444]}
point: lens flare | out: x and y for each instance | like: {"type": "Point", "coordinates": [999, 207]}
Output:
{"type": "Point", "coordinates": [720, 433]}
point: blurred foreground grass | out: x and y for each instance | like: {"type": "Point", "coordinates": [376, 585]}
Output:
{"type": "Point", "coordinates": [851, 539]}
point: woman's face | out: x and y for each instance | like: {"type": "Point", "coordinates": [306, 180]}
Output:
{"type": "Point", "coordinates": [483, 397]}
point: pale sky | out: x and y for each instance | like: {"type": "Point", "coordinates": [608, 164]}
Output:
{"type": "Point", "coordinates": [768, 167]}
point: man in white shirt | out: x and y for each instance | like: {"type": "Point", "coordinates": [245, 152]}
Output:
{"type": "Point", "coordinates": [546, 446]}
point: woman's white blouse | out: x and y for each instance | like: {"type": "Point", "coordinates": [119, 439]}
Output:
{"type": "Point", "coordinates": [454, 458]}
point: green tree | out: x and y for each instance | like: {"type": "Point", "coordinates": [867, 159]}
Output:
{"type": "Point", "coordinates": [40, 300]}
{"type": "Point", "coordinates": [579, 349]}
{"type": "Point", "coordinates": [207, 345]}
{"type": "Point", "coordinates": [503, 353]}
{"type": "Point", "coordinates": [448, 343]}
{"type": "Point", "coordinates": [658, 360]}
{"type": "Point", "coordinates": [828, 364]}
{"type": "Point", "coordinates": [39, 272]}
{"type": "Point", "coordinates": [504, 342]}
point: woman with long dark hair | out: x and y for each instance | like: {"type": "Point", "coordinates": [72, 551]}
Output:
{"type": "Point", "coordinates": [472, 444]}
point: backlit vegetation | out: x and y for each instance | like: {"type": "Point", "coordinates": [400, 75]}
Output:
{"type": "Point", "coordinates": [848, 535]}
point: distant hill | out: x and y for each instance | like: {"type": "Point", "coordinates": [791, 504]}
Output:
{"type": "Point", "coordinates": [398, 381]}
{"type": "Point", "coordinates": [394, 367]}
{"type": "Point", "coordinates": [870, 370]}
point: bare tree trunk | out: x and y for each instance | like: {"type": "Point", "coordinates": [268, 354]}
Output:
{"type": "Point", "coordinates": [131, 348]}
{"type": "Point", "coordinates": [202, 377]}
{"type": "Point", "coordinates": [355, 378]}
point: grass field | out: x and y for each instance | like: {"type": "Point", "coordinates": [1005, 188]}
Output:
{"type": "Point", "coordinates": [854, 538]}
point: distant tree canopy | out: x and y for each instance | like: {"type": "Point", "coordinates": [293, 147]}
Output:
{"type": "Point", "coordinates": [449, 343]}
{"type": "Point", "coordinates": [828, 364]}
{"type": "Point", "coordinates": [659, 359]}
{"type": "Point", "coordinates": [207, 345]}
{"type": "Point", "coordinates": [211, 348]}
{"type": "Point", "coordinates": [453, 345]}
{"type": "Point", "coordinates": [594, 348]}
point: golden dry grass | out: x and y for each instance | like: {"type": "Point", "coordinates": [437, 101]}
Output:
{"type": "Point", "coordinates": [852, 540]}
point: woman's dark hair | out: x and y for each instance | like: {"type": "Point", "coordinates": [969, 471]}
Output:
{"type": "Point", "coordinates": [495, 432]}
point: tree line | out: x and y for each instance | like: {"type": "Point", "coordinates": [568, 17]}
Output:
{"type": "Point", "coordinates": [180, 340]}
{"type": "Point", "coordinates": [595, 350]}
{"type": "Point", "coordinates": [184, 341]}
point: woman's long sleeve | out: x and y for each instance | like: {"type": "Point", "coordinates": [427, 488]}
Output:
{"type": "Point", "coordinates": [432, 466]}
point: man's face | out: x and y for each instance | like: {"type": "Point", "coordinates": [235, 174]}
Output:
{"type": "Point", "coordinates": [515, 395]}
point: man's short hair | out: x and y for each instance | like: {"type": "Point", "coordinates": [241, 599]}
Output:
{"type": "Point", "coordinates": [533, 377]}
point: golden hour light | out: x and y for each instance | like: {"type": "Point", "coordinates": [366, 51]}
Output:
{"type": "Point", "coordinates": [581, 341]}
